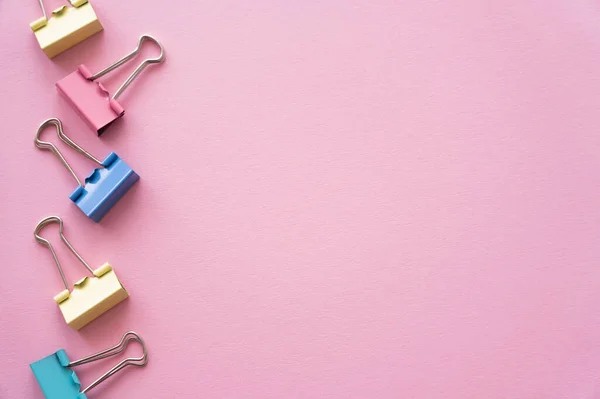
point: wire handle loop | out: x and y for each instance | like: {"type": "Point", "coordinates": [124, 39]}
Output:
{"type": "Point", "coordinates": [115, 350]}
{"type": "Point", "coordinates": [128, 57]}
{"type": "Point", "coordinates": [55, 219]}
{"type": "Point", "coordinates": [46, 145]}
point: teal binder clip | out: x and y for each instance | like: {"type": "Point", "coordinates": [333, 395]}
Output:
{"type": "Point", "coordinates": [104, 187]}
{"type": "Point", "coordinates": [58, 380]}
{"type": "Point", "coordinates": [55, 378]}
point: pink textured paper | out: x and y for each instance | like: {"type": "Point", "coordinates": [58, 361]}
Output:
{"type": "Point", "coordinates": [338, 199]}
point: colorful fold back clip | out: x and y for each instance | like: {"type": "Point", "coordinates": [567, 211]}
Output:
{"type": "Point", "coordinates": [103, 187]}
{"type": "Point", "coordinates": [67, 26]}
{"type": "Point", "coordinates": [91, 296]}
{"type": "Point", "coordinates": [58, 380]}
{"type": "Point", "coordinates": [91, 100]}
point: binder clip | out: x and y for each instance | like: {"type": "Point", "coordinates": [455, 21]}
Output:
{"type": "Point", "coordinates": [103, 187]}
{"type": "Point", "coordinates": [67, 26]}
{"type": "Point", "coordinates": [91, 296]}
{"type": "Point", "coordinates": [91, 100]}
{"type": "Point", "coordinates": [58, 380]}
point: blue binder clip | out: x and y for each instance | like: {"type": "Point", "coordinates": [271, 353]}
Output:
{"type": "Point", "coordinates": [57, 379]}
{"type": "Point", "coordinates": [103, 187]}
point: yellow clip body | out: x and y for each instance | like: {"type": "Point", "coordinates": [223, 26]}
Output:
{"type": "Point", "coordinates": [66, 27]}
{"type": "Point", "coordinates": [91, 297]}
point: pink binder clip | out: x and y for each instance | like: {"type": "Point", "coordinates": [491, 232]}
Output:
{"type": "Point", "coordinates": [91, 100]}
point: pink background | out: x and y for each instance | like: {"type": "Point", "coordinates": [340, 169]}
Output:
{"type": "Point", "coordinates": [338, 199]}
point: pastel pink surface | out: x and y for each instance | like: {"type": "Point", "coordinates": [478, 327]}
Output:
{"type": "Point", "coordinates": [90, 100]}
{"type": "Point", "coordinates": [339, 199]}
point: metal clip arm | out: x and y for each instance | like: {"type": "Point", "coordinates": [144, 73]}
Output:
{"type": "Point", "coordinates": [115, 350]}
{"type": "Point", "coordinates": [128, 57]}
{"type": "Point", "coordinates": [36, 233]}
{"type": "Point", "coordinates": [46, 145]}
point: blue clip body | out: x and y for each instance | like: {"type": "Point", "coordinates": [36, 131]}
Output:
{"type": "Point", "coordinates": [104, 187]}
{"type": "Point", "coordinates": [56, 380]}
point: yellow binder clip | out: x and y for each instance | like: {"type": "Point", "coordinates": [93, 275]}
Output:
{"type": "Point", "coordinates": [67, 26]}
{"type": "Point", "coordinates": [91, 296]}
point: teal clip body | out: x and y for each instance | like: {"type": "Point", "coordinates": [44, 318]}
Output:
{"type": "Point", "coordinates": [55, 378]}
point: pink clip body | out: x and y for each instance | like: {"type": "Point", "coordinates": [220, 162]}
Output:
{"type": "Point", "coordinates": [90, 99]}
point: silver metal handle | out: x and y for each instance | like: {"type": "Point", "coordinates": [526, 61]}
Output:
{"type": "Point", "coordinates": [55, 219]}
{"type": "Point", "coordinates": [128, 57]}
{"type": "Point", "coordinates": [46, 145]}
{"type": "Point", "coordinates": [115, 350]}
